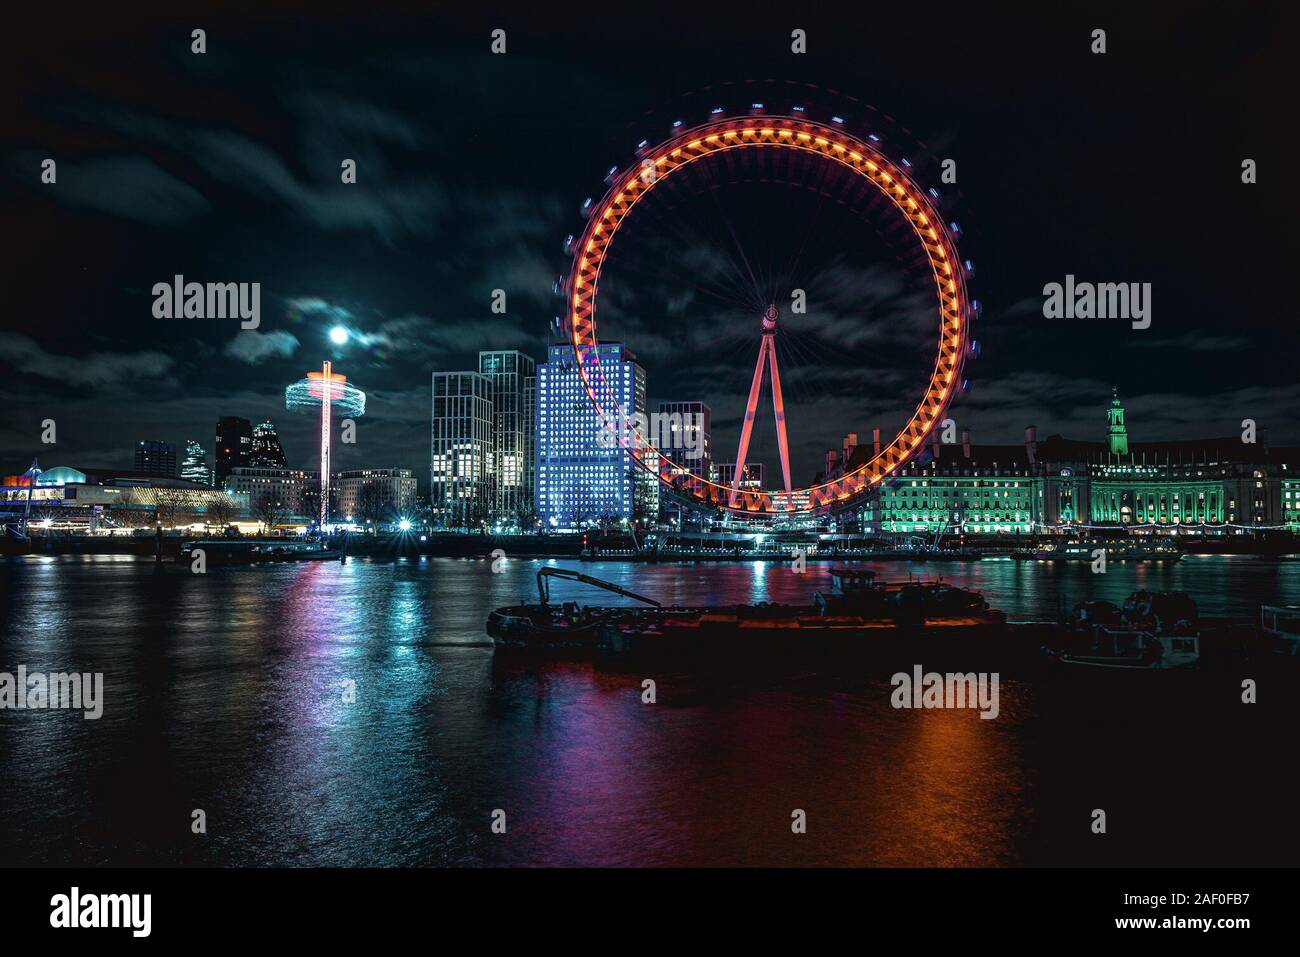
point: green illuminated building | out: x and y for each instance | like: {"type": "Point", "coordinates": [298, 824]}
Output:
{"type": "Point", "coordinates": [1062, 485]}
{"type": "Point", "coordinates": [1290, 485]}
{"type": "Point", "coordinates": [1116, 433]}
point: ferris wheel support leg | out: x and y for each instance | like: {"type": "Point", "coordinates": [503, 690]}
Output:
{"type": "Point", "coordinates": [778, 407]}
{"type": "Point", "coordinates": [751, 409]}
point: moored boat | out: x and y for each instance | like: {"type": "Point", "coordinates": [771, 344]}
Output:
{"type": "Point", "coordinates": [1151, 631]}
{"type": "Point", "coordinates": [1279, 626]}
{"type": "Point", "coordinates": [1085, 550]}
{"type": "Point", "coordinates": [860, 606]}
{"type": "Point", "coordinates": [247, 551]}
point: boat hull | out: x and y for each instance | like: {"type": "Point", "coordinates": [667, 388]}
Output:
{"type": "Point", "coordinates": [683, 630]}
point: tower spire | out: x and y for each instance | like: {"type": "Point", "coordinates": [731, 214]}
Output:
{"type": "Point", "coordinates": [1116, 433]}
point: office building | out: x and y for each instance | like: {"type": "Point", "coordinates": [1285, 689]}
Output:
{"type": "Point", "coordinates": [155, 458]}
{"type": "Point", "coordinates": [376, 495]}
{"type": "Point", "coordinates": [511, 464]}
{"type": "Point", "coordinates": [266, 451]}
{"type": "Point", "coordinates": [234, 446]}
{"type": "Point", "coordinates": [584, 478]}
{"type": "Point", "coordinates": [292, 493]}
{"type": "Point", "coordinates": [461, 491]}
{"type": "Point", "coordinates": [194, 466]}
{"type": "Point", "coordinates": [755, 473]}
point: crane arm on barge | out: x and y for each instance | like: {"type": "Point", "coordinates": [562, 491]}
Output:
{"type": "Point", "coordinates": [544, 592]}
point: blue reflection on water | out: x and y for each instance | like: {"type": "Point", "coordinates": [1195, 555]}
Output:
{"type": "Point", "coordinates": [226, 692]}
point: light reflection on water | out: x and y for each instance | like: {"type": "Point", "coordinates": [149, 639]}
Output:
{"type": "Point", "coordinates": [225, 692]}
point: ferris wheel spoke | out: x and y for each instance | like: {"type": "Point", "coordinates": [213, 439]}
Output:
{"type": "Point", "coordinates": [749, 244]}
{"type": "Point", "coordinates": [724, 297]}
{"type": "Point", "coordinates": [730, 287]}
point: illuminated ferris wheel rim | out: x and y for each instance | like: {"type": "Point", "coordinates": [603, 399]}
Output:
{"type": "Point", "coordinates": [830, 142]}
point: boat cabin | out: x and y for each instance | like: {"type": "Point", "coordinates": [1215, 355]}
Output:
{"type": "Point", "coordinates": [1280, 624]}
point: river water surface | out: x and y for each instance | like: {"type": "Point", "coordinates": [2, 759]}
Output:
{"type": "Point", "coordinates": [225, 693]}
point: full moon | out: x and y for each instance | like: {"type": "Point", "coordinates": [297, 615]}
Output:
{"type": "Point", "coordinates": [338, 335]}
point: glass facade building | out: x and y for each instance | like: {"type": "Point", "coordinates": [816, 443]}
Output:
{"type": "Point", "coordinates": [195, 464]}
{"type": "Point", "coordinates": [266, 451]}
{"type": "Point", "coordinates": [585, 475]}
{"type": "Point", "coordinates": [461, 493]}
{"type": "Point", "coordinates": [511, 463]}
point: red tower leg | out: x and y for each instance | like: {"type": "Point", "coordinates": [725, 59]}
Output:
{"type": "Point", "coordinates": [778, 406]}
{"type": "Point", "coordinates": [767, 350]}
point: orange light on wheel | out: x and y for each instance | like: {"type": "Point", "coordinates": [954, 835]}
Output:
{"type": "Point", "coordinates": [836, 146]}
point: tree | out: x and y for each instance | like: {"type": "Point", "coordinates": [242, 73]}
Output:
{"type": "Point", "coordinates": [269, 510]}
{"type": "Point", "coordinates": [370, 503]}
{"type": "Point", "coordinates": [221, 511]}
{"type": "Point", "coordinates": [133, 517]}
{"type": "Point", "coordinates": [169, 506]}
{"type": "Point", "coordinates": [526, 517]}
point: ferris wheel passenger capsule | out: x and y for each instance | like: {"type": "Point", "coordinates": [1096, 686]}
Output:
{"type": "Point", "coordinates": [568, 244]}
{"type": "Point", "coordinates": [974, 349]}
{"type": "Point", "coordinates": [976, 309]}
{"type": "Point", "coordinates": [586, 207]}
{"type": "Point", "coordinates": [970, 268]}
{"type": "Point", "coordinates": [611, 175]}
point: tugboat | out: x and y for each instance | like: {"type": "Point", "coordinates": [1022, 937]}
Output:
{"type": "Point", "coordinates": [861, 606]}
{"type": "Point", "coordinates": [1152, 631]}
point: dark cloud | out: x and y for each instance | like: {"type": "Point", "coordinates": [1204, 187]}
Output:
{"type": "Point", "coordinates": [254, 347]}
{"type": "Point", "coordinates": [131, 187]}
{"type": "Point", "coordinates": [26, 356]}
{"type": "Point", "coordinates": [471, 169]}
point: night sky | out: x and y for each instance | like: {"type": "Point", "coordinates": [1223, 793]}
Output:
{"type": "Point", "coordinates": [225, 167]}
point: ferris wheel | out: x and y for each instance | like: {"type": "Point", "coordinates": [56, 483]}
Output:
{"type": "Point", "coordinates": [792, 148]}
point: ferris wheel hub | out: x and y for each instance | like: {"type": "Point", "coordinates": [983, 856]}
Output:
{"type": "Point", "coordinates": [769, 318]}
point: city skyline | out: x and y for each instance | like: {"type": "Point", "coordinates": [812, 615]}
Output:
{"type": "Point", "coordinates": [717, 439]}
{"type": "Point", "coordinates": [385, 264]}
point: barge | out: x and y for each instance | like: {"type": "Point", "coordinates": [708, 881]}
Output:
{"type": "Point", "coordinates": [246, 551]}
{"type": "Point", "coordinates": [860, 608]}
